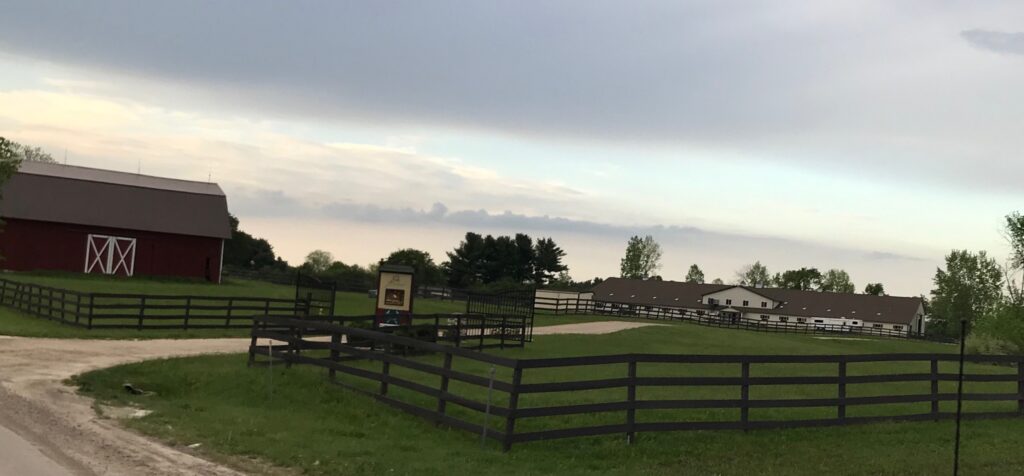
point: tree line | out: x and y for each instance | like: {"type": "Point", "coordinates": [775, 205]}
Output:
{"type": "Point", "coordinates": [477, 262]}
{"type": "Point", "coordinates": [643, 258]}
{"type": "Point", "coordinates": [974, 287]}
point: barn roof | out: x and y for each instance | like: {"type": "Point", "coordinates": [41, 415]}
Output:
{"type": "Point", "coordinates": [866, 307]}
{"type": "Point", "coordinates": [88, 196]}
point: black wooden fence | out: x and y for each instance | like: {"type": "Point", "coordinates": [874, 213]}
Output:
{"type": "Point", "coordinates": [515, 305]}
{"type": "Point", "coordinates": [637, 393]}
{"type": "Point", "coordinates": [141, 311]}
{"type": "Point", "coordinates": [570, 306]}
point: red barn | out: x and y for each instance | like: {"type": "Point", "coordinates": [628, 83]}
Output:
{"type": "Point", "coordinates": [68, 218]}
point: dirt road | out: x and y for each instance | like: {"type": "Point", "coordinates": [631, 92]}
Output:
{"type": "Point", "coordinates": [46, 428]}
{"type": "Point", "coordinates": [46, 425]}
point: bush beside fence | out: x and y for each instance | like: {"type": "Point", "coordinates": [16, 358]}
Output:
{"type": "Point", "coordinates": [427, 385]}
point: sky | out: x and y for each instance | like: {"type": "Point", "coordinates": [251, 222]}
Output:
{"type": "Point", "coordinates": [872, 136]}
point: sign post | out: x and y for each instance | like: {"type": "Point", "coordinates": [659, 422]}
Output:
{"type": "Point", "coordinates": [394, 295]}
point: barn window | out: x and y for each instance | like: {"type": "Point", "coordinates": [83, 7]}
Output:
{"type": "Point", "coordinates": [876, 326]}
{"type": "Point", "coordinates": [818, 321]}
{"type": "Point", "coordinates": [764, 317]}
{"type": "Point", "coordinates": [897, 328]}
{"type": "Point", "coordinates": [746, 303]}
{"type": "Point", "coordinates": [783, 319]}
{"type": "Point", "coordinates": [764, 303]}
{"type": "Point", "coordinates": [801, 320]}
{"type": "Point", "coordinates": [728, 302]}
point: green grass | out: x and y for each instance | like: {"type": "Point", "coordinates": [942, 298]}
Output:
{"type": "Point", "coordinates": [294, 418]}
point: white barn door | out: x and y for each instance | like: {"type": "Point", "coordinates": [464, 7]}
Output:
{"type": "Point", "coordinates": [110, 255]}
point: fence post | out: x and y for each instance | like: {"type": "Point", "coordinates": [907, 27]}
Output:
{"type": "Point", "coordinates": [935, 388]}
{"type": "Point", "coordinates": [335, 342]}
{"type": "Point", "coordinates": [92, 306]}
{"type": "Point", "coordinates": [631, 398]}
{"type": "Point", "coordinates": [231, 304]}
{"type": "Point", "coordinates": [442, 403]}
{"type": "Point", "coordinates": [513, 405]}
{"type": "Point", "coordinates": [502, 336]}
{"type": "Point", "coordinates": [385, 373]}
{"type": "Point", "coordinates": [1020, 386]}
{"type": "Point", "coordinates": [745, 396]}
{"type": "Point", "coordinates": [842, 391]}
{"type": "Point", "coordinates": [188, 311]}
{"type": "Point", "coordinates": [483, 328]}
{"type": "Point", "coordinates": [142, 310]}
{"type": "Point", "coordinates": [78, 309]}
{"type": "Point", "coordinates": [458, 331]}
{"type": "Point", "coordinates": [252, 346]}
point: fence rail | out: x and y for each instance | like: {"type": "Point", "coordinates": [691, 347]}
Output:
{"type": "Point", "coordinates": [141, 311]}
{"type": "Point", "coordinates": [568, 306]}
{"type": "Point", "coordinates": [646, 385]}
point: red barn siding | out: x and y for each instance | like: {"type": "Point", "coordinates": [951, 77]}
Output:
{"type": "Point", "coordinates": [28, 245]}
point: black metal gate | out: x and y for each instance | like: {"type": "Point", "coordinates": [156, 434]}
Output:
{"type": "Point", "coordinates": [515, 308]}
{"type": "Point", "coordinates": [314, 297]}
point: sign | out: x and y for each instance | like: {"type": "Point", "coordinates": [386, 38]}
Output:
{"type": "Point", "coordinates": [394, 295]}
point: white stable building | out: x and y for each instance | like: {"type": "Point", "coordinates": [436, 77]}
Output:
{"type": "Point", "coordinates": [890, 313]}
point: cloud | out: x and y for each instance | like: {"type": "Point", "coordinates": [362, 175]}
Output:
{"type": "Point", "coordinates": [439, 214]}
{"type": "Point", "coordinates": [999, 42]}
{"type": "Point", "coordinates": [877, 89]}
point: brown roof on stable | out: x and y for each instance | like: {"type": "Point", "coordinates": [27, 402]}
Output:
{"type": "Point", "coordinates": [654, 293]}
{"type": "Point", "coordinates": [87, 196]}
{"type": "Point", "coordinates": [865, 307]}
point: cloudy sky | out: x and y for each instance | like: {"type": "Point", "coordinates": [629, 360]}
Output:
{"type": "Point", "coordinates": [870, 136]}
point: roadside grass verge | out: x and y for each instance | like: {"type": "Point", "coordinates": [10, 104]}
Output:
{"type": "Point", "coordinates": [296, 418]}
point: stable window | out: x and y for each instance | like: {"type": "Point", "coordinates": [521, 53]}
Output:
{"type": "Point", "coordinates": [764, 303]}
{"type": "Point", "coordinates": [801, 320]}
{"type": "Point", "coordinates": [818, 321]}
{"type": "Point", "coordinates": [746, 303]}
{"type": "Point", "coordinates": [764, 317]}
{"type": "Point", "coordinates": [876, 326]}
{"type": "Point", "coordinates": [783, 319]}
{"type": "Point", "coordinates": [728, 302]}
{"type": "Point", "coordinates": [898, 328]}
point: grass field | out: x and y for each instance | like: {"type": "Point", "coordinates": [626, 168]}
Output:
{"type": "Point", "coordinates": [294, 418]}
{"type": "Point", "coordinates": [346, 303]}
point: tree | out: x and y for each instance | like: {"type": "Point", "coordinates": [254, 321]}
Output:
{"type": "Point", "coordinates": [836, 281]}
{"type": "Point", "coordinates": [875, 288]}
{"type": "Point", "coordinates": [245, 251]}
{"type": "Point", "coordinates": [695, 275]}
{"type": "Point", "coordinates": [547, 261]}
{"type": "Point", "coordinates": [427, 272]}
{"type": "Point", "coordinates": [35, 154]}
{"type": "Point", "coordinates": [970, 287]}
{"type": "Point", "coordinates": [318, 261]}
{"type": "Point", "coordinates": [525, 260]}
{"type": "Point", "coordinates": [464, 263]}
{"type": "Point", "coordinates": [804, 279]}
{"type": "Point", "coordinates": [1015, 236]}
{"type": "Point", "coordinates": [643, 257]}
{"type": "Point", "coordinates": [718, 281]}
{"type": "Point", "coordinates": [27, 153]}
{"type": "Point", "coordinates": [755, 275]}
{"type": "Point", "coordinates": [9, 163]}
